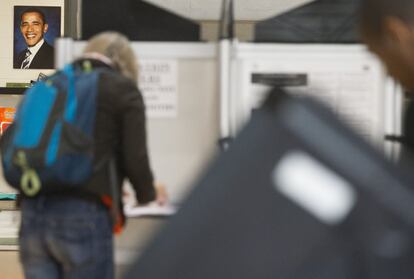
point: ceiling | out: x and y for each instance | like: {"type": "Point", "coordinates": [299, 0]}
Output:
{"type": "Point", "coordinates": [244, 9]}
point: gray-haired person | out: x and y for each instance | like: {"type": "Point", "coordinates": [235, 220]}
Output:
{"type": "Point", "coordinates": [70, 234]}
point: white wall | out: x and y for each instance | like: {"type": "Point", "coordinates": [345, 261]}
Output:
{"type": "Point", "coordinates": [244, 9]}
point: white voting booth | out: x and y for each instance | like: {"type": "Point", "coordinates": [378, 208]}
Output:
{"type": "Point", "coordinates": [347, 78]}
{"type": "Point", "coordinates": [179, 84]}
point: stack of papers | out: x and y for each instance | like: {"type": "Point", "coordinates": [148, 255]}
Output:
{"type": "Point", "coordinates": [149, 210]}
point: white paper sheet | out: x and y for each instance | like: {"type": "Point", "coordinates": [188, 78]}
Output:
{"type": "Point", "coordinates": [149, 210]}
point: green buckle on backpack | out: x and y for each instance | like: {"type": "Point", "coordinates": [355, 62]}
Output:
{"type": "Point", "coordinates": [87, 66]}
{"type": "Point", "coordinates": [30, 182]}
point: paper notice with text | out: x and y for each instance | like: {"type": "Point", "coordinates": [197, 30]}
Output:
{"type": "Point", "coordinates": [351, 91]}
{"type": "Point", "coordinates": [158, 82]}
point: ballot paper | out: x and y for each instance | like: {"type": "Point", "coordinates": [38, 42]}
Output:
{"type": "Point", "coordinates": [150, 210]}
{"type": "Point", "coordinates": [132, 208]}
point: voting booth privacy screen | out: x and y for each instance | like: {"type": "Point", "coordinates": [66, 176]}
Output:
{"type": "Point", "coordinates": [297, 195]}
{"type": "Point", "coordinates": [347, 78]}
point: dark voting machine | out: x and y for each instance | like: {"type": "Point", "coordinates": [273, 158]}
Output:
{"type": "Point", "coordinates": [297, 195]}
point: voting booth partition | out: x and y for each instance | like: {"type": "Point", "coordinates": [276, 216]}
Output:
{"type": "Point", "coordinates": [179, 86]}
{"type": "Point", "coordinates": [347, 78]}
{"type": "Point", "coordinates": [297, 195]}
{"type": "Point", "coordinates": [296, 174]}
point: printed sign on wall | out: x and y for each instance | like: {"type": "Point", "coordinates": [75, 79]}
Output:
{"type": "Point", "coordinates": [158, 81]}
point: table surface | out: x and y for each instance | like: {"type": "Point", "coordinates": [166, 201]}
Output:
{"type": "Point", "coordinates": [8, 205]}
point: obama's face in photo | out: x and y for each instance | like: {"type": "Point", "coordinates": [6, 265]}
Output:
{"type": "Point", "coordinates": [33, 27]}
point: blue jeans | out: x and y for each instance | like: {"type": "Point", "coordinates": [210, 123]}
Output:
{"type": "Point", "coordinates": [66, 238]}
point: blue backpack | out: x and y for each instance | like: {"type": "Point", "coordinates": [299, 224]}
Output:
{"type": "Point", "coordinates": [50, 145]}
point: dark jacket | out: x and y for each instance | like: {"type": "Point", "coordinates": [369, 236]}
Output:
{"type": "Point", "coordinates": [120, 133]}
{"type": "Point", "coordinates": [120, 137]}
{"type": "Point", "coordinates": [44, 58]}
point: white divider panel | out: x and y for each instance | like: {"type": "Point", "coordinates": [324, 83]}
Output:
{"type": "Point", "coordinates": [179, 145]}
{"type": "Point", "coordinates": [345, 77]}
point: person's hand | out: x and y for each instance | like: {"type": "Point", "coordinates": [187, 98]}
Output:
{"type": "Point", "coordinates": [161, 194]}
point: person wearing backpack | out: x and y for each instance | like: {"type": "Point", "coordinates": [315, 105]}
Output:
{"type": "Point", "coordinates": [66, 231]}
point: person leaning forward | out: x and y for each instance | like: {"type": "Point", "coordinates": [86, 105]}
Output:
{"type": "Point", "coordinates": [70, 234]}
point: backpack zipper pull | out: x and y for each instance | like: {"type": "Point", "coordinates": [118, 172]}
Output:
{"type": "Point", "coordinates": [29, 182]}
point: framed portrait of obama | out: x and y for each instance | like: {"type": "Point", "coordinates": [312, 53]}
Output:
{"type": "Point", "coordinates": [35, 30]}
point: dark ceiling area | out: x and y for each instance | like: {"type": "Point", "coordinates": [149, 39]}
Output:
{"type": "Point", "coordinates": [323, 21]}
{"type": "Point", "coordinates": [136, 19]}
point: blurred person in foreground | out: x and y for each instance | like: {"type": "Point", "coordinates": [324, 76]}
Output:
{"type": "Point", "coordinates": [387, 27]}
{"type": "Point", "coordinates": [70, 234]}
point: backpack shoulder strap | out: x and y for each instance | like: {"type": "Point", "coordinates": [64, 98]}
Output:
{"type": "Point", "coordinates": [70, 110]}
